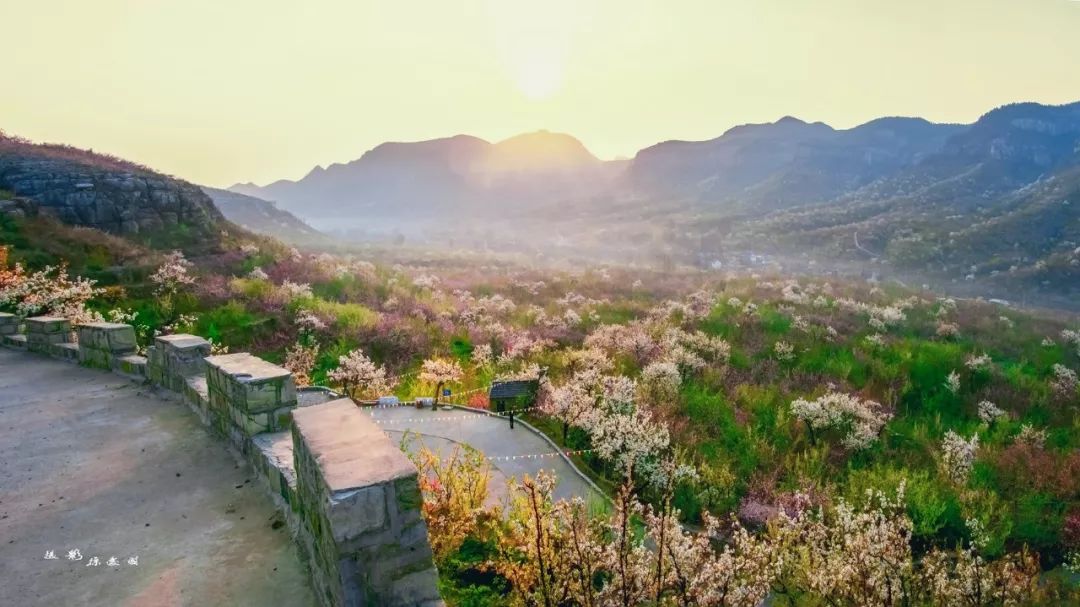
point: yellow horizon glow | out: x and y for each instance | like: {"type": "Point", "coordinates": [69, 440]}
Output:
{"type": "Point", "coordinates": [258, 90]}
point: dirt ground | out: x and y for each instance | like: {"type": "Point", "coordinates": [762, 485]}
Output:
{"type": "Point", "coordinates": [92, 462]}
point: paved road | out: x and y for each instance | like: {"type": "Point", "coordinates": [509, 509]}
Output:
{"type": "Point", "coordinates": [90, 461]}
{"type": "Point", "coordinates": [491, 435]}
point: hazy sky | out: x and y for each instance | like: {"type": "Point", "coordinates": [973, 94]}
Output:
{"type": "Point", "coordinates": [219, 91]}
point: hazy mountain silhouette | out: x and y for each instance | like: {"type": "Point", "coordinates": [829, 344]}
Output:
{"type": "Point", "coordinates": [263, 217]}
{"type": "Point", "coordinates": [427, 179]}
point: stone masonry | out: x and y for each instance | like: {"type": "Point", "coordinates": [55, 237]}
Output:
{"type": "Point", "coordinates": [359, 503]}
{"type": "Point", "coordinates": [101, 344]}
{"type": "Point", "coordinates": [9, 324]}
{"type": "Point", "coordinates": [44, 332]}
{"type": "Point", "coordinates": [173, 358]}
{"type": "Point", "coordinates": [248, 395]}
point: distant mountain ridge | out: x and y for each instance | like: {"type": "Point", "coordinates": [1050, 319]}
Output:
{"type": "Point", "coordinates": [262, 217]}
{"type": "Point", "coordinates": [999, 202]}
{"type": "Point", "coordinates": [785, 163]}
{"type": "Point", "coordinates": [414, 180]}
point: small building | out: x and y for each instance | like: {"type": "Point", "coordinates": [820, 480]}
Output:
{"type": "Point", "coordinates": [511, 395]}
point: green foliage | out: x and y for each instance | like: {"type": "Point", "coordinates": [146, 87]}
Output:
{"type": "Point", "coordinates": [461, 348]}
{"type": "Point", "coordinates": [348, 317]}
{"type": "Point", "coordinates": [773, 322]}
{"type": "Point", "coordinates": [1038, 518]}
{"type": "Point", "coordinates": [464, 581]}
{"type": "Point", "coordinates": [932, 504]}
{"type": "Point", "coordinates": [234, 325]}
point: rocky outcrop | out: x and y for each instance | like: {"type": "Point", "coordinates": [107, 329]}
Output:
{"type": "Point", "coordinates": [86, 189]}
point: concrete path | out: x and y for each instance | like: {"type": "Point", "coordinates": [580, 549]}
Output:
{"type": "Point", "coordinates": [491, 435]}
{"type": "Point", "coordinates": [92, 462]}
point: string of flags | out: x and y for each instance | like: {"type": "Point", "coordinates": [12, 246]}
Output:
{"type": "Point", "coordinates": [432, 418]}
{"type": "Point", "coordinates": [507, 458]}
{"type": "Point", "coordinates": [503, 458]}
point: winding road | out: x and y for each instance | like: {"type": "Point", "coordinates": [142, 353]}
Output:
{"type": "Point", "coordinates": [513, 453]}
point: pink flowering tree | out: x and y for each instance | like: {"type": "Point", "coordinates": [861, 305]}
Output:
{"type": "Point", "coordinates": [359, 377]}
{"type": "Point", "coordinates": [171, 279]}
{"type": "Point", "coordinates": [439, 371]}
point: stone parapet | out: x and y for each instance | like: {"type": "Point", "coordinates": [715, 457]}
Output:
{"type": "Point", "coordinates": [248, 394]}
{"type": "Point", "coordinates": [359, 503]}
{"type": "Point", "coordinates": [9, 324]}
{"type": "Point", "coordinates": [43, 332]}
{"type": "Point", "coordinates": [15, 341]}
{"type": "Point", "coordinates": [174, 358]}
{"type": "Point", "coordinates": [101, 344]}
{"type": "Point", "coordinates": [132, 365]}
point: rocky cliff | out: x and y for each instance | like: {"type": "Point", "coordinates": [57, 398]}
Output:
{"type": "Point", "coordinates": [82, 188]}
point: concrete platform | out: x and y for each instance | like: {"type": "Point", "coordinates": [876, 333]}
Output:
{"type": "Point", "coordinates": [91, 461]}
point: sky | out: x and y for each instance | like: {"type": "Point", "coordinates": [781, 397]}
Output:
{"type": "Point", "coordinates": [223, 91]}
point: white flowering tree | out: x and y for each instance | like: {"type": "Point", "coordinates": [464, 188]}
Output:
{"type": "Point", "coordinates": [173, 275]}
{"type": "Point", "coordinates": [439, 371]}
{"type": "Point", "coordinates": [47, 291]}
{"type": "Point", "coordinates": [573, 402]}
{"type": "Point", "coordinates": [359, 377]}
{"type": "Point", "coordinates": [660, 381]}
{"type": "Point", "coordinates": [958, 456]}
{"type": "Point", "coordinates": [300, 359]}
{"type": "Point", "coordinates": [860, 421]}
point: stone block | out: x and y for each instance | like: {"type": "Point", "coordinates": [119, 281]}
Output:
{"type": "Point", "coordinates": [43, 332]}
{"type": "Point", "coordinates": [47, 325]}
{"type": "Point", "coordinates": [132, 365]}
{"type": "Point", "coordinates": [357, 512]}
{"type": "Point", "coordinates": [66, 351]}
{"type": "Point", "coordinates": [359, 505]}
{"type": "Point", "coordinates": [9, 324]}
{"type": "Point", "coordinates": [116, 338]}
{"type": "Point", "coordinates": [250, 383]}
{"type": "Point", "coordinates": [92, 357]}
{"type": "Point", "coordinates": [15, 341]}
{"type": "Point", "coordinates": [174, 358]}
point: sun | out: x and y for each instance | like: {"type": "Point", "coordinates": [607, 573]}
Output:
{"type": "Point", "coordinates": [539, 76]}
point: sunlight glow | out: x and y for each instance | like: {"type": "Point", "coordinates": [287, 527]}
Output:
{"type": "Point", "coordinates": [539, 77]}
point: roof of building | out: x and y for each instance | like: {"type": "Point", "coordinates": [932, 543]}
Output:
{"type": "Point", "coordinates": [512, 388]}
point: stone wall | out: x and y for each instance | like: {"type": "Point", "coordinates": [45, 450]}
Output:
{"type": "Point", "coordinates": [9, 324]}
{"type": "Point", "coordinates": [248, 395]}
{"type": "Point", "coordinates": [350, 495]}
{"type": "Point", "coordinates": [44, 332]}
{"type": "Point", "coordinates": [359, 503]}
{"type": "Point", "coordinates": [103, 344]}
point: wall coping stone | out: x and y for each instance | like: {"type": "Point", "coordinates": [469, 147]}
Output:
{"type": "Point", "coordinates": [182, 341]}
{"type": "Point", "coordinates": [46, 319]}
{"type": "Point", "coordinates": [351, 450]}
{"type": "Point", "coordinates": [104, 325]}
{"type": "Point", "coordinates": [244, 364]}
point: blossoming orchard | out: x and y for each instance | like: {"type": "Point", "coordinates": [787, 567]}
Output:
{"type": "Point", "coordinates": [758, 439]}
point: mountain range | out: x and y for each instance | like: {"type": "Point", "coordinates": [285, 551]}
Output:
{"type": "Point", "coordinates": [413, 182]}
{"type": "Point", "coordinates": [995, 199]}
{"type": "Point", "coordinates": [994, 204]}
